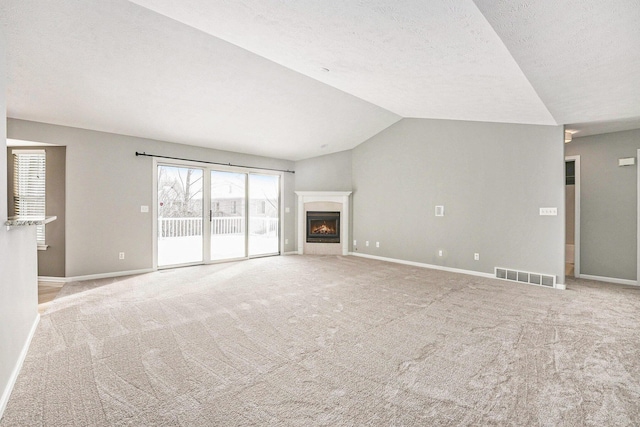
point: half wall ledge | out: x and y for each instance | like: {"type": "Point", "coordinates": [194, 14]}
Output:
{"type": "Point", "coordinates": [21, 221]}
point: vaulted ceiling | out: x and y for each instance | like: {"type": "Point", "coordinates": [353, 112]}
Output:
{"type": "Point", "coordinates": [297, 79]}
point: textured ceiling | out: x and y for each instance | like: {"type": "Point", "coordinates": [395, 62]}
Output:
{"type": "Point", "coordinates": [117, 67]}
{"type": "Point", "coordinates": [437, 58]}
{"type": "Point", "coordinates": [247, 75]}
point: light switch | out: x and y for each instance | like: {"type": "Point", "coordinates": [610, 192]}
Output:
{"type": "Point", "coordinates": [144, 209]}
{"type": "Point", "coordinates": [439, 210]}
{"type": "Point", "coordinates": [287, 210]}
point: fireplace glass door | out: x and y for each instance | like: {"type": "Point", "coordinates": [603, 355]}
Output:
{"type": "Point", "coordinates": [323, 227]}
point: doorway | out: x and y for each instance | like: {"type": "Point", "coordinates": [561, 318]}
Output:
{"type": "Point", "coordinates": [180, 207]}
{"type": "Point", "coordinates": [572, 216]}
{"type": "Point", "coordinates": [208, 215]}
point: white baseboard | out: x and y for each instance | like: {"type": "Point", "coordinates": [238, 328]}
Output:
{"type": "Point", "coordinates": [608, 279]}
{"type": "Point", "coordinates": [94, 276]}
{"type": "Point", "coordinates": [53, 279]}
{"type": "Point", "coordinates": [6, 393]}
{"type": "Point", "coordinates": [291, 253]}
{"type": "Point", "coordinates": [423, 265]}
{"type": "Point", "coordinates": [561, 286]}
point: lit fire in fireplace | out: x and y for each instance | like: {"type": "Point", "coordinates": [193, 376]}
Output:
{"type": "Point", "coordinates": [323, 228]}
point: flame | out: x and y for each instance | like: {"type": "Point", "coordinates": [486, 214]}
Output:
{"type": "Point", "coordinates": [323, 229]}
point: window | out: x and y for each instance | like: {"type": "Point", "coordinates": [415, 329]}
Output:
{"type": "Point", "coordinates": [570, 172]}
{"type": "Point", "coordinates": [29, 167]}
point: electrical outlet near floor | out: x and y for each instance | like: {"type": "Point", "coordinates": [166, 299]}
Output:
{"type": "Point", "coordinates": [355, 243]}
{"type": "Point", "coordinates": [476, 257]}
{"type": "Point", "coordinates": [121, 255]}
{"type": "Point", "coordinates": [366, 243]}
{"type": "Point", "coordinates": [440, 252]}
{"type": "Point", "coordinates": [377, 244]}
{"type": "Point", "coordinates": [286, 241]}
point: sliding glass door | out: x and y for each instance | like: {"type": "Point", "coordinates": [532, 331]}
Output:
{"type": "Point", "coordinates": [264, 214]}
{"type": "Point", "coordinates": [227, 215]}
{"type": "Point", "coordinates": [242, 218]}
{"type": "Point", "coordinates": [180, 208]}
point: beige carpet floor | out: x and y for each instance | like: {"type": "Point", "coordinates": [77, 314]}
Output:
{"type": "Point", "coordinates": [335, 341]}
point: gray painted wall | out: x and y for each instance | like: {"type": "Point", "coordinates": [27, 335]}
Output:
{"type": "Point", "coordinates": [50, 261]}
{"type": "Point", "coordinates": [491, 178]}
{"type": "Point", "coordinates": [608, 195]}
{"type": "Point", "coordinates": [107, 184]}
{"type": "Point", "coordinates": [18, 280]}
{"type": "Point", "coordinates": [325, 173]}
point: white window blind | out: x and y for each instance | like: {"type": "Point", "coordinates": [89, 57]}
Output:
{"type": "Point", "coordinates": [29, 167]}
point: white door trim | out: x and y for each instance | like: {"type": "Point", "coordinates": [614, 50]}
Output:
{"type": "Point", "coordinates": [638, 222]}
{"type": "Point", "coordinates": [576, 268]}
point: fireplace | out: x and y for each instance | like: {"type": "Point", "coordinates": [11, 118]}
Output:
{"type": "Point", "coordinates": [323, 227]}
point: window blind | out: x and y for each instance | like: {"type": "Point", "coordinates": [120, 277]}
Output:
{"type": "Point", "coordinates": [29, 186]}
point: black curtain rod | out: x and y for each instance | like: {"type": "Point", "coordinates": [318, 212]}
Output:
{"type": "Point", "coordinates": [211, 163]}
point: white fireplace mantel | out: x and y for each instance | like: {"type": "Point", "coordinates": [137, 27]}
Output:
{"type": "Point", "coordinates": [324, 196]}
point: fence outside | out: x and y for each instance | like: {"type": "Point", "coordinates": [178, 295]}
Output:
{"type": "Point", "coordinates": [185, 227]}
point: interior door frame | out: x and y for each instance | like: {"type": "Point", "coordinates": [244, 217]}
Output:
{"type": "Point", "coordinates": [576, 238]}
{"type": "Point", "coordinates": [638, 220]}
{"type": "Point", "coordinates": [206, 228]}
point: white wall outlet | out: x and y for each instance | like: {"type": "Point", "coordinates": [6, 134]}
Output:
{"type": "Point", "coordinates": [377, 244]}
{"type": "Point", "coordinates": [286, 241]}
{"type": "Point", "coordinates": [144, 209]}
{"type": "Point", "coordinates": [121, 255]}
{"type": "Point", "coordinates": [476, 257]}
{"type": "Point", "coordinates": [287, 210]}
{"type": "Point", "coordinates": [440, 252]}
{"type": "Point", "coordinates": [549, 211]}
{"type": "Point", "coordinates": [355, 243]}
{"type": "Point", "coordinates": [439, 210]}
{"type": "Point", "coordinates": [366, 243]}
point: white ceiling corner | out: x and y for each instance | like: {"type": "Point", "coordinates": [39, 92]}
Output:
{"type": "Point", "coordinates": [582, 56]}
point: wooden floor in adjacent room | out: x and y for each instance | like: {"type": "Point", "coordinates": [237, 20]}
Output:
{"type": "Point", "coordinates": [47, 291]}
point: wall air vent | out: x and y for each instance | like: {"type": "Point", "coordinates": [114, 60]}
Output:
{"type": "Point", "coordinates": [525, 277]}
